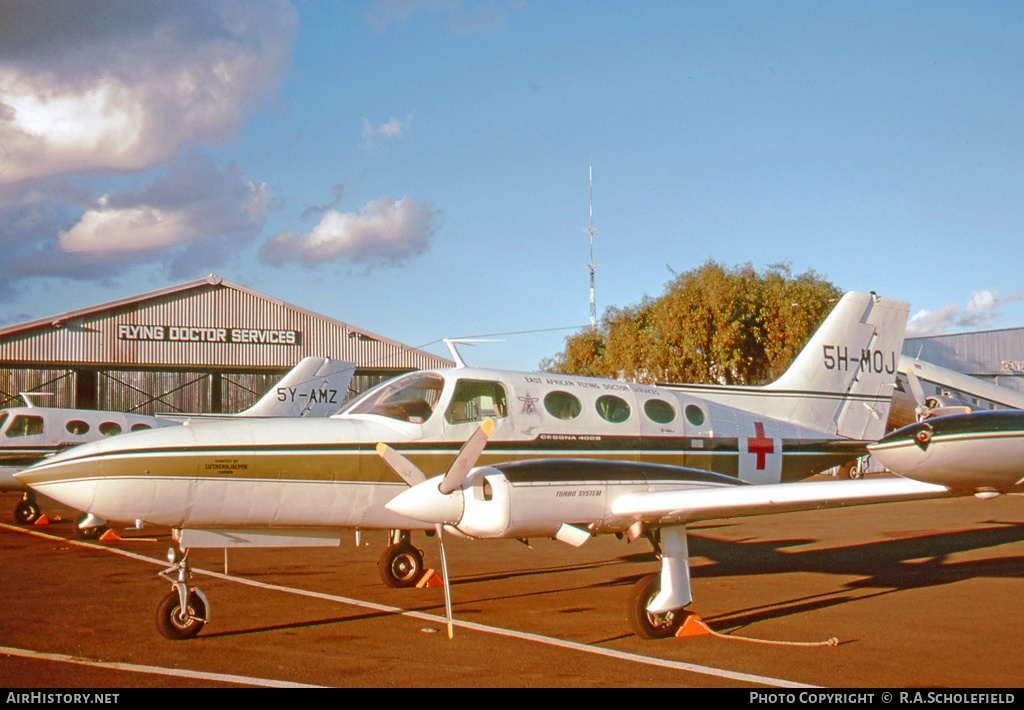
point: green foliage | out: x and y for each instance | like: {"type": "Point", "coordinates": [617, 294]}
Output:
{"type": "Point", "coordinates": [712, 325]}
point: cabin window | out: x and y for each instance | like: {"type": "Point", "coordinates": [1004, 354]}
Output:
{"type": "Point", "coordinates": [26, 425]}
{"type": "Point", "coordinates": [562, 405]}
{"type": "Point", "coordinates": [613, 409]}
{"type": "Point", "coordinates": [475, 400]}
{"type": "Point", "coordinates": [410, 398]}
{"type": "Point", "coordinates": [659, 411]}
{"type": "Point", "coordinates": [76, 427]}
{"type": "Point", "coordinates": [110, 428]}
{"type": "Point", "coordinates": [695, 415]}
{"type": "Point", "coordinates": [140, 427]}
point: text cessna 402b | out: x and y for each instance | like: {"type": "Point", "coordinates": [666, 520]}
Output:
{"type": "Point", "coordinates": [544, 455]}
{"type": "Point", "coordinates": [315, 387]}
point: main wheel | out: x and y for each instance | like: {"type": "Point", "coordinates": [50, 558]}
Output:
{"type": "Point", "coordinates": [400, 566]}
{"type": "Point", "coordinates": [26, 511]}
{"type": "Point", "coordinates": [171, 625]}
{"type": "Point", "coordinates": [645, 624]}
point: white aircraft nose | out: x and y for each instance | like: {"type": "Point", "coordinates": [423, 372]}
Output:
{"type": "Point", "coordinates": [424, 502]}
{"type": "Point", "coordinates": [66, 481]}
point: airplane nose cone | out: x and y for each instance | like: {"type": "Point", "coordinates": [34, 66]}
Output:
{"type": "Point", "coordinates": [67, 481]}
{"type": "Point", "coordinates": [424, 502]}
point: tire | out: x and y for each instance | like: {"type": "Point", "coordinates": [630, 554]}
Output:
{"type": "Point", "coordinates": [173, 628]}
{"type": "Point", "coordinates": [400, 566]}
{"type": "Point", "coordinates": [645, 624]}
{"type": "Point", "coordinates": [26, 512]}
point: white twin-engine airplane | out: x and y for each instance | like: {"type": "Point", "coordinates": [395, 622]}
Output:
{"type": "Point", "coordinates": [315, 387]}
{"type": "Point", "coordinates": [545, 455]}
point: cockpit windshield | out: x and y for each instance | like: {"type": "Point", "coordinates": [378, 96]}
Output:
{"type": "Point", "coordinates": [410, 398]}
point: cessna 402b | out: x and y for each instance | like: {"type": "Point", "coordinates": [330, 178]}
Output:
{"type": "Point", "coordinates": [315, 387]}
{"type": "Point", "coordinates": [545, 455]}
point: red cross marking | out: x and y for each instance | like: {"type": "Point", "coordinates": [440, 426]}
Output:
{"type": "Point", "coordinates": [760, 445]}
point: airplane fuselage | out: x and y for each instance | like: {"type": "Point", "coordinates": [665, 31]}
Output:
{"type": "Point", "coordinates": [326, 473]}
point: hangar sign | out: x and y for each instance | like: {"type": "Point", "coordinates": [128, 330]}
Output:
{"type": "Point", "coordinates": [200, 334]}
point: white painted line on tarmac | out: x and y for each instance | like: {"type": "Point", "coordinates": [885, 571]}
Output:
{"type": "Point", "coordinates": [155, 670]}
{"type": "Point", "coordinates": [509, 633]}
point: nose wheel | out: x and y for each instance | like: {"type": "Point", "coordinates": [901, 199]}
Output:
{"type": "Point", "coordinates": [177, 622]}
{"type": "Point", "coordinates": [183, 613]}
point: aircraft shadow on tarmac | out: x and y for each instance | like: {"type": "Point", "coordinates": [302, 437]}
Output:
{"type": "Point", "coordinates": [904, 563]}
{"type": "Point", "coordinates": [887, 566]}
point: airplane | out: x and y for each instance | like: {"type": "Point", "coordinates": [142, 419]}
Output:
{"type": "Point", "coordinates": [517, 455]}
{"type": "Point", "coordinates": [982, 452]}
{"type": "Point", "coordinates": [315, 387]}
{"type": "Point", "coordinates": [924, 389]}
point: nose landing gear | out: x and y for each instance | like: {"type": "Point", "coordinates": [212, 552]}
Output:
{"type": "Point", "coordinates": [183, 613]}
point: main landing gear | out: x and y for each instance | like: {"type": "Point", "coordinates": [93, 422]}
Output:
{"type": "Point", "coordinates": [656, 602]}
{"type": "Point", "coordinates": [183, 613]}
{"type": "Point", "coordinates": [401, 565]}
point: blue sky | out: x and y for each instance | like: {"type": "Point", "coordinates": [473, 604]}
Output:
{"type": "Point", "coordinates": [420, 169]}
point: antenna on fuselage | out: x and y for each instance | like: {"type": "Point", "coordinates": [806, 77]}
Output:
{"type": "Point", "coordinates": [456, 355]}
{"type": "Point", "coordinates": [30, 398]}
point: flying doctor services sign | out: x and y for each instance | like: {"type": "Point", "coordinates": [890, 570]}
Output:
{"type": "Point", "coordinates": [201, 334]}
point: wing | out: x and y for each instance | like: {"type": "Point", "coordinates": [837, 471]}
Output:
{"type": "Point", "coordinates": [686, 505]}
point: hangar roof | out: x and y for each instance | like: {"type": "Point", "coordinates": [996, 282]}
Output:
{"type": "Point", "coordinates": [205, 323]}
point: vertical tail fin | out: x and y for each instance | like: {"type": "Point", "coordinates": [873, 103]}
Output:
{"type": "Point", "coordinates": [844, 378]}
{"type": "Point", "coordinates": [316, 387]}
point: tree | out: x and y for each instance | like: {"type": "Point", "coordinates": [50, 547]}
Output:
{"type": "Point", "coordinates": [712, 325]}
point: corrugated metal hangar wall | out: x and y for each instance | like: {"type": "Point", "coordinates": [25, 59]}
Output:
{"type": "Point", "coordinates": [995, 356]}
{"type": "Point", "coordinates": [203, 346]}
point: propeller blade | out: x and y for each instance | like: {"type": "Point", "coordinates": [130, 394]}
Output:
{"type": "Point", "coordinates": [457, 472]}
{"type": "Point", "coordinates": [444, 575]}
{"type": "Point", "coordinates": [466, 460]}
{"type": "Point", "coordinates": [406, 469]}
{"type": "Point", "coordinates": [917, 392]}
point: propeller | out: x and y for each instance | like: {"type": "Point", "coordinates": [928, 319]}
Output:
{"type": "Point", "coordinates": [927, 408]}
{"type": "Point", "coordinates": [438, 506]}
{"type": "Point", "coordinates": [917, 392]}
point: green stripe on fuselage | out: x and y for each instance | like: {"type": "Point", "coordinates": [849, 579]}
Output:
{"type": "Point", "coordinates": [359, 462]}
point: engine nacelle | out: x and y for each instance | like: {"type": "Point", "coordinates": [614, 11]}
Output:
{"type": "Point", "coordinates": [495, 506]}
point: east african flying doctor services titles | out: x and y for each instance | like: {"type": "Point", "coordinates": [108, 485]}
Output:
{"type": "Point", "coordinates": [200, 334]}
{"type": "Point", "coordinates": [901, 697]}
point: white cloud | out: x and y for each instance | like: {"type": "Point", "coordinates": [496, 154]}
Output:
{"type": "Point", "coordinates": [981, 309]}
{"type": "Point", "coordinates": [393, 128]}
{"type": "Point", "coordinates": [384, 232]}
{"type": "Point", "coordinates": [127, 229]}
{"type": "Point", "coordinates": [195, 205]}
{"type": "Point", "coordinates": [97, 89]}
{"type": "Point", "coordinates": [78, 97]}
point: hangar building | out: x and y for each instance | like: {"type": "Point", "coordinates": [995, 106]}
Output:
{"type": "Point", "coordinates": [995, 356]}
{"type": "Point", "coordinates": [203, 346]}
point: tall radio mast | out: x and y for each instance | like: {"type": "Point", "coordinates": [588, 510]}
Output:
{"type": "Point", "coordinates": [590, 265]}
